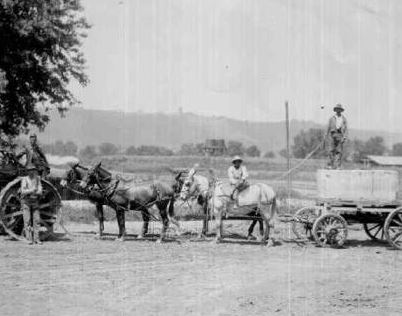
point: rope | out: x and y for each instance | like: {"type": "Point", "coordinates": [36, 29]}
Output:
{"type": "Point", "coordinates": [301, 162]}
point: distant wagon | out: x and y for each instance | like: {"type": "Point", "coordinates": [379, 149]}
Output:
{"type": "Point", "coordinates": [215, 147]}
{"type": "Point", "coordinates": [11, 219]}
{"type": "Point", "coordinates": [368, 197]}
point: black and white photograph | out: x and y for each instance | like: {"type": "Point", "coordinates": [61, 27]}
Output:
{"type": "Point", "coordinates": [200, 157]}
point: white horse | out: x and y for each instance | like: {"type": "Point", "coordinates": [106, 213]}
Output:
{"type": "Point", "coordinates": [257, 199]}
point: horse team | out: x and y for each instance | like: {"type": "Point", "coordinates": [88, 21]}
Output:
{"type": "Point", "coordinates": [257, 202]}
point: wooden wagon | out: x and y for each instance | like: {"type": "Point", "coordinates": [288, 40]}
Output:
{"type": "Point", "coordinates": [11, 218]}
{"type": "Point", "coordinates": [368, 197]}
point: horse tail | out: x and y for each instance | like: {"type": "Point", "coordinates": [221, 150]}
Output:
{"type": "Point", "coordinates": [271, 197]}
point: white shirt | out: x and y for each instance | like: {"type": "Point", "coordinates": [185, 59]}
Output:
{"type": "Point", "coordinates": [338, 121]}
{"type": "Point", "coordinates": [31, 186]}
{"type": "Point", "coordinates": [235, 175]}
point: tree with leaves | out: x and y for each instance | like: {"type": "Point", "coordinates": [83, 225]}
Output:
{"type": "Point", "coordinates": [108, 149]}
{"type": "Point", "coordinates": [397, 149]}
{"type": "Point", "coordinates": [306, 141]}
{"type": "Point", "coordinates": [235, 148]}
{"type": "Point", "coordinates": [39, 57]}
{"type": "Point", "coordinates": [269, 154]}
{"type": "Point", "coordinates": [253, 151]}
{"type": "Point", "coordinates": [88, 152]}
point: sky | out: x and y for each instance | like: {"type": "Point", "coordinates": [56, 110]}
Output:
{"type": "Point", "coordinates": [243, 58]}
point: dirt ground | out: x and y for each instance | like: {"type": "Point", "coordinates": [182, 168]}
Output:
{"type": "Point", "coordinates": [81, 275]}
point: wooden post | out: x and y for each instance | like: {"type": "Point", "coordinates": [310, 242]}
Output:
{"type": "Point", "coordinates": [288, 149]}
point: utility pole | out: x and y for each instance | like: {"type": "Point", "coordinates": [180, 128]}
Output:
{"type": "Point", "coordinates": [288, 148]}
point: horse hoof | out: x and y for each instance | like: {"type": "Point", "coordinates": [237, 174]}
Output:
{"type": "Point", "coordinates": [270, 243]}
{"type": "Point", "coordinates": [217, 240]}
{"type": "Point", "coordinates": [119, 239]}
{"type": "Point", "coordinates": [159, 241]}
{"type": "Point", "coordinates": [140, 237]}
{"type": "Point", "coordinates": [251, 237]}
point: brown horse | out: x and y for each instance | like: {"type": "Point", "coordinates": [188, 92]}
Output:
{"type": "Point", "coordinates": [72, 180]}
{"type": "Point", "coordinates": [129, 196]}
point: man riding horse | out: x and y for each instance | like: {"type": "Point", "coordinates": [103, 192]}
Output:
{"type": "Point", "coordinates": [237, 177]}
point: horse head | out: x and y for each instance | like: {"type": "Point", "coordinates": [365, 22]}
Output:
{"type": "Point", "coordinates": [73, 175]}
{"type": "Point", "coordinates": [96, 175]}
{"type": "Point", "coordinates": [178, 183]}
{"type": "Point", "coordinates": [191, 184]}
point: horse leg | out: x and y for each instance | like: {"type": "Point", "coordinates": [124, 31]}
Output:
{"type": "Point", "coordinates": [120, 215]}
{"type": "Point", "coordinates": [219, 223]}
{"type": "Point", "coordinates": [261, 225]}
{"type": "Point", "coordinates": [267, 219]}
{"type": "Point", "coordinates": [204, 231]}
{"type": "Point", "coordinates": [165, 223]}
{"type": "Point", "coordinates": [101, 219]}
{"type": "Point", "coordinates": [145, 218]}
{"type": "Point", "coordinates": [171, 218]}
{"type": "Point", "coordinates": [251, 229]}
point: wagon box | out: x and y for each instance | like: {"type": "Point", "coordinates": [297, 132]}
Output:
{"type": "Point", "coordinates": [368, 197]}
{"type": "Point", "coordinates": [359, 186]}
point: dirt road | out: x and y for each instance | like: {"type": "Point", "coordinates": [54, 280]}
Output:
{"type": "Point", "coordinates": [85, 276]}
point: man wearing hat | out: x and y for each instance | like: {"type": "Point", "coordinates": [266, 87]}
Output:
{"type": "Point", "coordinates": [36, 156]}
{"type": "Point", "coordinates": [31, 190]}
{"type": "Point", "coordinates": [237, 176]}
{"type": "Point", "coordinates": [337, 133]}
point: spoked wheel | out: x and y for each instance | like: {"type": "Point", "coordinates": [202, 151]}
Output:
{"type": "Point", "coordinates": [375, 231]}
{"type": "Point", "coordinates": [303, 221]}
{"type": "Point", "coordinates": [11, 217]}
{"type": "Point", "coordinates": [393, 228]}
{"type": "Point", "coordinates": [330, 230]}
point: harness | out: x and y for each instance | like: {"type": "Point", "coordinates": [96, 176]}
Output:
{"type": "Point", "coordinates": [109, 191]}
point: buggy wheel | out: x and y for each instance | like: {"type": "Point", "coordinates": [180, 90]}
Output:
{"type": "Point", "coordinates": [375, 231]}
{"type": "Point", "coordinates": [393, 228]}
{"type": "Point", "coordinates": [330, 229]}
{"type": "Point", "coordinates": [303, 222]}
{"type": "Point", "coordinates": [11, 217]}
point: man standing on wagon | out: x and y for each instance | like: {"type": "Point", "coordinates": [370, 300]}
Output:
{"type": "Point", "coordinates": [337, 133]}
{"type": "Point", "coordinates": [31, 190]}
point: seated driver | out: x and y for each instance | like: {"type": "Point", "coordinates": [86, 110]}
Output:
{"type": "Point", "coordinates": [237, 177]}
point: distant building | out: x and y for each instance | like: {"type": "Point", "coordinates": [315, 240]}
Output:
{"type": "Point", "coordinates": [384, 161]}
{"type": "Point", "coordinates": [215, 147]}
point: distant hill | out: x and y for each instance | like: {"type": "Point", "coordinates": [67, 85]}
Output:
{"type": "Point", "coordinates": [92, 127]}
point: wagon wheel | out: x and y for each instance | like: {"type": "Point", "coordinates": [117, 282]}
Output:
{"type": "Point", "coordinates": [330, 229]}
{"type": "Point", "coordinates": [303, 221]}
{"type": "Point", "coordinates": [11, 217]}
{"type": "Point", "coordinates": [393, 228]}
{"type": "Point", "coordinates": [375, 231]}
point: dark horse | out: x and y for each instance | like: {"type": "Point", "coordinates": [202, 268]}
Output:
{"type": "Point", "coordinates": [72, 181]}
{"type": "Point", "coordinates": [126, 195]}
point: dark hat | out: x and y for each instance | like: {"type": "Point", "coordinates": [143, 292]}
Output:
{"type": "Point", "coordinates": [339, 107]}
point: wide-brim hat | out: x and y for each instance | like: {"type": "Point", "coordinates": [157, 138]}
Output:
{"type": "Point", "coordinates": [237, 158]}
{"type": "Point", "coordinates": [339, 107]}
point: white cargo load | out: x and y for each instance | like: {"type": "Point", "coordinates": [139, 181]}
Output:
{"type": "Point", "coordinates": [377, 186]}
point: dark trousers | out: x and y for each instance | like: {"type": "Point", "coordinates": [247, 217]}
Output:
{"type": "Point", "coordinates": [335, 150]}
